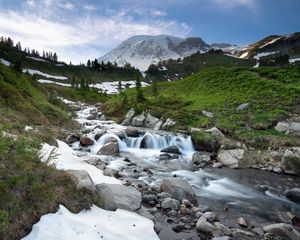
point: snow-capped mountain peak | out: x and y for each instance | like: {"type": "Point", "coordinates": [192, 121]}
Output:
{"type": "Point", "coordinates": [142, 50]}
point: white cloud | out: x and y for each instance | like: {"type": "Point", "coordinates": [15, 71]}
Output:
{"type": "Point", "coordinates": [31, 2]}
{"type": "Point", "coordinates": [66, 5]}
{"type": "Point", "coordinates": [83, 37]}
{"type": "Point", "coordinates": [89, 7]}
{"type": "Point", "coordinates": [235, 3]}
{"type": "Point", "coordinates": [158, 13]}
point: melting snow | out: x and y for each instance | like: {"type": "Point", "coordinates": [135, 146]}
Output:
{"type": "Point", "coordinates": [270, 42]}
{"type": "Point", "coordinates": [4, 62]}
{"type": "Point", "coordinates": [37, 59]}
{"type": "Point", "coordinates": [53, 82]}
{"type": "Point", "coordinates": [32, 72]}
{"type": "Point", "coordinates": [244, 55]}
{"type": "Point", "coordinates": [93, 224]}
{"type": "Point", "coordinates": [293, 60]}
{"type": "Point", "coordinates": [264, 54]}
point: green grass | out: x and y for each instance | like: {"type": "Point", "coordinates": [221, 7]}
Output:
{"type": "Point", "coordinates": [270, 92]}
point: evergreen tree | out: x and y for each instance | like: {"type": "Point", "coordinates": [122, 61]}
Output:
{"type": "Point", "coordinates": [124, 101]}
{"type": "Point", "coordinates": [82, 84]}
{"type": "Point", "coordinates": [73, 84]}
{"type": "Point", "coordinates": [139, 92]}
{"type": "Point", "coordinates": [154, 88]}
{"type": "Point", "coordinates": [88, 63]}
{"type": "Point", "coordinates": [87, 86]}
{"type": "Point", "coordinates": [17, 66]}
{"type": "Point", "coordinates": [55, 57]}
{"type": "Point", "coordinates": [120, 87]}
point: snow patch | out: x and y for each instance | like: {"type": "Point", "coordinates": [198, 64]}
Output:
{"type": "Point", "coordinates": [28, 128]}
{"type": "Point", "coordinates": [112, 87]}
{"type": "Point", "coordinates": [33, 71]}
{"type": "Point", "coordinates": [244, 55]}
{"type": "Point", "coordinates": [4, 62]}
{"type": "Point", "coordinates": [270, 42]}
{"type": "Point", "coordinates": [53, 82]}
{"type": "Point", "coordinates": [264, 54]}
{"type": "Point", "coordinates": [293, 60]}
{"type": "Point", "coordinates": [93, 224]}
{"type": "Point", "coordinates": [37, 59]}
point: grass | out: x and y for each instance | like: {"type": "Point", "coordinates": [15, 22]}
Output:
{"type": "Point", "coordinates": [271, 93]}
{"type": "Point", "coordinates": [30, 188]}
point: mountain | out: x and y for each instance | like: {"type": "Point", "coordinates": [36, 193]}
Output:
{"type": "Point", "coordinates": [143, 50]}
{"type": "Point", "coordinates": [274, 44]}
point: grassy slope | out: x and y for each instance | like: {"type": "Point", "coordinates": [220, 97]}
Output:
{"type": "Point", "coordinates": [271, 92]}
{"type": "Point", "coordinates": [28, 187]}
{"type": "Point", "coordinates": [194, 63]}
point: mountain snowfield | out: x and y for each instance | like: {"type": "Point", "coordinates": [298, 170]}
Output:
{"type": "Point", "coordinates": [142, 50]}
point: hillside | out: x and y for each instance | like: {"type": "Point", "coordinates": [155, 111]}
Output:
{"type": "Point", "coordinates": [172, 70]}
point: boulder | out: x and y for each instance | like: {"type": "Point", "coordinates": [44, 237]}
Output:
{"type": "Point", "coordinates": [215, 132]}
{"type": "Point", "coordinates": [293, 195]}
{"type": "Point", "coordinates": [282, 127]}
{"type": "Point", "coordinates": [179, 189]}
{"type": "Point", "coordinates": [201, 157]}
{"type": "Point", "coordinates": [222, 228]}
{"type": "Point", "coordinates": [208, 114]}
{"type": "Point", "coordinates": [203, 226]}
{"type": "Point", "coordinates": [171, 204]}
{"type": "Point", "coordinates": [151, 121]}
{"type": "Point", "coordinates": [111, 148]}
{"type": "Point", "coordinates": [74, 107]}
{"type": "Point", "coordinates": [158, 125]}
{"type": "Point", "coordinates": [210, 216]}
{"type": "Point", "coordinates": [114, 196]}
{"type": "Point", "coordinates": [168, 124]}
{"type": "Point", "coordinates": [242, 222]}
{"type": "Point", "coordinates": [132, 132]}
{"type": "Point", "coordinates": [85, 141]}
{"type": "Point", "coordinates": [283, 230]}
{"type": "Point", "coordinates": [242, 106]}
{"type": "Point", "coordinates": [139, 120]}
{"type": "Point", "coordinates": [130, 114]}
{"type": "Point", "coordinates": [171, 149]}
{"type": "Point", "coordinates": [99, 135]}
{"type": "Point", "coordinates": [81, 178]}
{"type": "Point", "coordinates": [231, 158]}
{"type": "Point", "coordinates": [72, 138]}
{"type": "Point", "coordinates": [204, 141]}
{"type": "Point", "coordinates": [290, 162]}
{"type": "Point", "coordinates": [288, 127]}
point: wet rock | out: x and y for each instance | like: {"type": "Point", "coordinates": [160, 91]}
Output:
{"type": "Point", "coordinates": [171, 149]}
{"type": "Point", "coordinates": [150, 199]}
{"type": "Point", "coordinates": [225, 230]}
{"type": "Point", "coordinates": [110, 148]}
{"type": "Point", "coordinates": [179, 189]}
{"type": "Point", "coordinates": [151, 121]}
{"type": "Point", "coordinates": [186, 203]}
{"type": "Point", "coordinates": [130, 114]}
{"type": "Point", "coordinates": [72, 138]}
{"type": "Point", "coordinates": [283, 230]}
{"type": "Point", "coordinates": [139, 120]}
{"type": "Point", "coordinates": [99, 135]}
{"type": "Point", "coordinates": [167, 156]}
{"type": "Point", "coordinates": [293, 195]}
{"type": "Point", "coordinates": [170, 203]}
{"type": "Point", "coordinates": [74, 107]}
{"type": "Point", "coordinates": [217, 165]}
{"type": "Point", "coordinates": [210, 216]}
{"type": "Point", "coordinates": [201, 157]}
{"type": "Point", "coordinates": [183, 210]}
{"type": "Point", "coordinates": [242, 222]}
{"type": "Point", "coordinates": [114, 196]}
{"type": "Point", "coordinates": [132, 132]}
{"type": "Point", "coordinates": [208, 114]}
{"type": "Point", "coordinates": [158, 125]}
{"type": "Point", "coordinates": [215, 132]}
{"type": "Point", "coordinates": [231, 158]}
{"type": "Point", "coordinates": [203, 208]}
{"type": "Point", "coordinates": [81, 178]}
{"type": "Point", "coordinates": [203, 226]}
{"type": "Point", "coordinates": [111, 173]}
{"type": "Point", "coordinates": [168, 124]}
{"type": "Point", "coordinates": [242, 106]}
{"type": "Point", "coordinates": [221, 238]}
{"type": "Point", "coordinates": [241, 234]}
{"type": "Point", "coordinates": [85, 141]}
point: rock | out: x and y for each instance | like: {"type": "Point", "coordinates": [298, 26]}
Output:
{"type": "Point", "coordinates": [99, 135]}
{"type": "Point", "coordinates": [242, 106]}
{"type": "Point", "coordinates": [74, 107]}
{"type": "Point", "coordinates": [85, 141]}
{"type": "Point", "coordinates": [150, 199]}
{"type": "Point", "coordinates": [242, 222]}
{"type": "Point", "coordinates": [132, 132]}
{"type": "Point", "coordinates": [81, 178]}
{"type": "Point", "coordinates": [114, 196]}
{"type": "Point", "coordinates": [130, 114]}
{"type": "Point", "coordinates": [72, 138]}
{"type": "Point", "coordinates": [171, 149]}
{"type": "Point", "coordinates": [217, 165]}
{"type": "Point", "coordinates": [186, 203]}
{"type": "Point", "coordinates": [291, 160]}
{"type": "Point", "coordinates": [111, 172]}
{"type": "Point", "coordinates": [151, 121]}
{"type": "Point", "coordinates": [139, 120]}
{"type": "Point", "coordinates": [111, 148]}
{"type": "Point", "coordinates": [231, 158]}
{"type": "Point", "coordinates": [203, 226]}
{"type": "Point", "coordinates": [168, 124]}
{"type": "Point", "coordinates": [204, 141]}
{"type": "Point", "coordinates": [215, 132]}
{"type": "Point", "coordinates": [294, 128]}
{"type": "Point", "coordinates": [288, 127]}
{"type": "Point", "coordinates": [170, 203]}
{"type": "Point", "coordinates": [293, 195]}
{"type": "Point", "coordinates": [222, 228]}
{"type": "Point", "coordinates": [158, 125]}
{"type": "Point", "coordinates": [210, 216]}
{"type": "Point", "coordinates": [167, 156]}
{"type": "Point", "coordinates": [221, 238]}
{"type": "Point", "coordinates": [179, 189]}
{"type": "Point", "coordinates": [282, 127]}
{"type": "Point", "coordinates": [208, 114]}
{"type": "Point", "coordinates": [183, 210]}
{"type": "Point", "coordinates": [201, 157]}
{"type": "Point", "coordinates": [283, 230]}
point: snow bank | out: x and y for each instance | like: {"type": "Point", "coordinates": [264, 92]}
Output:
{"type": "Point", "coordinates": [112, 87]}
{"type": "Point", "coordinates": [264, 54]}
{"type": "Point", "coordinates": [64, 158]}
{"type": "Point", "coordinates": [270, 42]}
{"type": "Point", "coordinates": [53, 82]}
{"type": "Point", "coordinates": [94, 224]}
{"type": "Point", "coordinates": [4, 62]}
{"type": "Point", "coordinates": [37, 59]}
{"type": "Point", "coordinates": [293, 60]}
{"type": "Point", "coordinates": [32, 72]}
{"type": "Point", "coordinates": [244, 55]}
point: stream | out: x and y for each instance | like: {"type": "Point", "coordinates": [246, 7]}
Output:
{"type": "Point", "coordinates": [231, 193]}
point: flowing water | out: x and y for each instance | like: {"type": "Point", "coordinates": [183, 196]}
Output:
{"type": "Point", "coordinates": [255, 195]}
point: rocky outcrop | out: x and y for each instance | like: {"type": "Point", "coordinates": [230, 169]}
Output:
{"type": "Point", "coordinates": [179, 189]}
{"type": "Point", "coordinates": [128, 118]}
{"type": "Point", "coordinates": [114, 196]}
{"type": "Point", "coordinates": [139, 120]}
{"type": "Point", "coordinates": [111, 148]}
{"type": "Point", "coordinates": [231, 158]}
{"type": "Point", "coordinates": [201, 158]}
{"type": "Point", "coordinates": [151, 121]}
{"type": "Point", "coordinates": [168, 124]}
{"type": "Point", "coordinates": [81, 178]}
{"type": "Point", "coordinates": [204, 141]}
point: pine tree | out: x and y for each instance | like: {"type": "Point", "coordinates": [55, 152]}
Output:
{"type": "Point", "coordinates": [124, 101]}
{"type": "Point", "coordinates": [87, 86]}
{"type": "Point", "coordinates": [139, 92]}
{"type": "Point", "coordinates": [17, 66]}
{"type": "Point", "coordinates": [88, 64]}
{"type": "Point", "coordinates": [120, 87]}
{"type": "Point", "coordinates": [73, 84]}
{"type": "Point", "coordinates": [82, 84]}
{"type": "Point", "coordinates": [154, 88]}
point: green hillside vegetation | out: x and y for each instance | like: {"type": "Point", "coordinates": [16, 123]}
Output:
{"type": "Point", "coordinates": [177, 69]}
{"type": "Point", "coordinates": [270, 92]}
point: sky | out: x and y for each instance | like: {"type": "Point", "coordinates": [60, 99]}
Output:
{"type": "Point", "coordinates": [86, 29]}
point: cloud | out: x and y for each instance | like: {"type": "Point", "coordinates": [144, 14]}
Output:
{"type": "Point", "coordinates": [158, 13]}
{"type": "Point", "coordinates": [31, 2]}
{"type": "Point", "coordinates": [235, 3]}
{"type": "Point", "coordinates": [89, 7]}
{"type": "Point", "coordinates": [66, 5]}
{"type": "Point", "coordinates": [90, 34]}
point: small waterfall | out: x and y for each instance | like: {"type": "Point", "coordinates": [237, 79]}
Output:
{"type": "Point", "coordinates": [106, 138]}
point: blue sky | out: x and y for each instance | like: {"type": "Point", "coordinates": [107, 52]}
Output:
{"type": "Point", "coordinates": [82, 29]}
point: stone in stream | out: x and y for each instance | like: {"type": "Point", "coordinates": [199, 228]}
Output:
{"type": "Point", "coordinates": [151, 121]}
{"type": "Point", "coordinates": [170, 203]}
{"type": "Point", "coordinates": [231, 158]}
{"type": "Point", "coordinates": [171, 149]}
{"type": "Point", "coordinates": [132, 132]}
{"type": "Point", "coordinates": [99, 135]}
{"type": "Point", "coordinates": [111, 148]}
{"type": "Point", "coordinates": [203, 226]}
{"type": "Point", "coordinates": [81, 178]}
{"type": "Point", "coordinates": [139, 120]}
{"type": "Point", "coordinates": [130, 114]}
{"type": "Point", "coordinates": [283, 230]}
{"type": "Point", "coordinates": [72, 138]}
{"type": "Point", "coordinates": [168, 124]}
{"type": "Point", "coordinates": [210, 216]}
{"type": "Point", "coordinates": [242, 222]}
{"type": "Point", "coordinates": [293, 195]}
{"type": "Point", "coordinates": [85, 141]}
{"type": "Point", "coordinates": [179, 189]}
{"type": "Point", "coordinates": [201, 157]}
{"type": "Point", "coordinates": [224, 229]}
{"type": "Point", "coordinates": [114, 196]}
{"type": "Point", "coordinates": [150, 199]}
